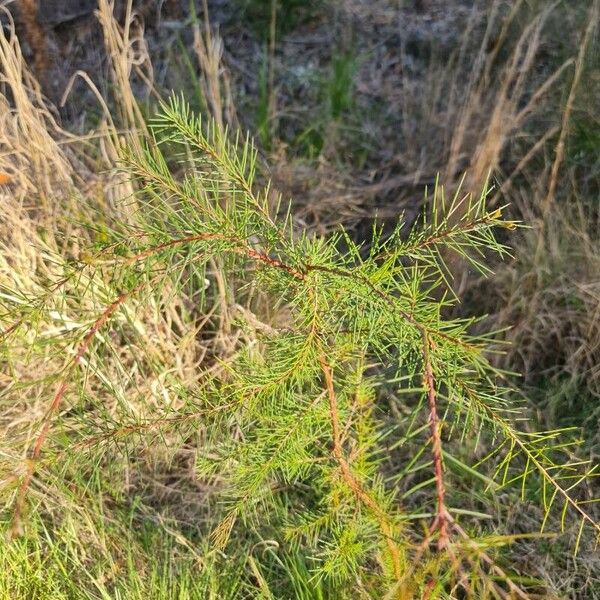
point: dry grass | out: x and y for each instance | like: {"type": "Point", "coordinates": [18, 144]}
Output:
{"type": "Point", "coordinates": [550, 298]}
{"type": "Point", "coordinates": [214, 78]}
{"type": "Point", "coordinates": [449, 92]}
{"type": "Point", "coordinates": [592, 18]}
{"type": "Point", "coordinates": [497, 105]}
{"type": "Point", "coordinates": [30, 157]}
{"type": "Point", "coordinates": [48, 191]}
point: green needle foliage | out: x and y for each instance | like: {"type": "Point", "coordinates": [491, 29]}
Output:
{"type": "Point", "coordinates": [336, 427]}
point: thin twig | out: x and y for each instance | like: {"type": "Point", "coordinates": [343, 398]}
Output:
{"type": "Point", "coordinates": [355, 485]}
{"type": "Point", "coordinates": [441, 520]}
{"type": "Point", "coordinates": [486, 558]}
{"type": "Point", "coordinates": [507, 184]}
{"type": "Point", "coordinates": [57, 399]}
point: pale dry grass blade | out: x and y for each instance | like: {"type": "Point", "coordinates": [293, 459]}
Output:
{"type": "Point", "coordinates": [214, 79]}
{"type": "Point", "coordinates": [126, 49]}
{"type": "Point", "coordinates": [127, 53]}
{"type": "Point", "coordinates": [30, 157]}
{"type": "Point", "coordinates": [592, 23]}
{"type": "Point", "coordinates": [504, 111]}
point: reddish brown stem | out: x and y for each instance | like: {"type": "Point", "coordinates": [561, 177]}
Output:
{"type": "Point", "coordinates": [441, 237]}
{"type": "Point", "coordinates": [102, 319]}
{"type": "Point", "coordinates": [428, 590]}
{"type": "Point", "coordinates": [298, 273]}
{"type": "Point", "coordinates": [241, 248]}
{"type": "Point", "coordinates": [362, 495]}
{"type": "Point", "coordinates": [441, 520]}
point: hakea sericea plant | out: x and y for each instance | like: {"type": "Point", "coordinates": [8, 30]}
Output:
{"type": "Point", "coordinates": [333, 432]}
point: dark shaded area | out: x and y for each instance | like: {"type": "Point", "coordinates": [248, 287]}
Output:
{"type": "Point", "coordinates": [54, 12]}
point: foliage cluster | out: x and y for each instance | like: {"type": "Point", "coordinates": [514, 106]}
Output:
{"type": "Point", "coordinates": [322, 429]}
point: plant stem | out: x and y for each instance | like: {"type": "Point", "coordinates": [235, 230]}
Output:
{"type": "Point", "coordinates": [441, 520]}
{"type": "Point", "coordinates": [56, 401]}
{"type": "Point", "coordinates": [355, 485]}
